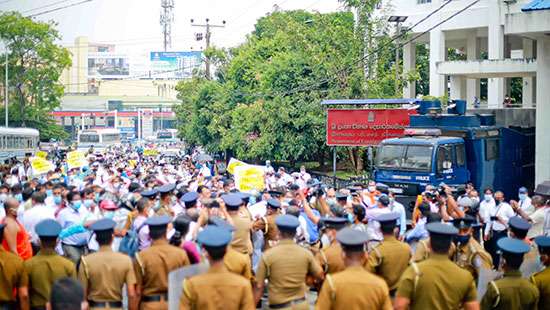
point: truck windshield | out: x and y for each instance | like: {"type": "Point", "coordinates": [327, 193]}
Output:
{"type": "Point", "coordinates": [404, 157]}
{"type": "Point", "coordinates": [89, 138]}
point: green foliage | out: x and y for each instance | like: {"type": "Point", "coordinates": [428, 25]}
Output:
{"type": "Point", "coordinates": [35, 66]}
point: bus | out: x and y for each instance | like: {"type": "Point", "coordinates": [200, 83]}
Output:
{"type": "Point", "coordinates": [167, 135]}
{"type": "Point", "coordinates": [99, 138]}
{"type": "Point", "coordinates": [18, 142]}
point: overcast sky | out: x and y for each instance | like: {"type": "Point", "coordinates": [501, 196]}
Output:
{"type": "Point", "coordinates": [133, 25]}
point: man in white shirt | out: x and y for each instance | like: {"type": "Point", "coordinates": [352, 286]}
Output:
{"type": "Point", "coordinates": [497, 225]}
{"type": "Point", "coordinates": [486, 204]}
{"type": "Point", "coordinates": [536, 219]}
{"type": "Point", "coordinates": [525, 202]}
{"type": "Point", "coordinates": [37, 213]}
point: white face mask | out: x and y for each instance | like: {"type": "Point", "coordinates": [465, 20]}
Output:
{"type": "Point", "coordinates": [372, 188]}
{"type": "Point", "coordinates": [488, 197]}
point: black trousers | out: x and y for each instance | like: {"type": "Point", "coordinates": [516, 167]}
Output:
{"type": "Point", "coordinates": [492, 247]}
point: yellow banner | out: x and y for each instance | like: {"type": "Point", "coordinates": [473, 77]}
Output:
{"type": "Point", "coordinates": [76, 159]}
{"type": "Point", "coordinates": [40, 165]}
{"type": "Point", "coordinates": [42, 154]}
{"type": "Point", "coordinates": [249, 177]}
{"type": "Point", "coordinates": [234, 163]}
{"type": "Point", "coordinates": [150, 152]}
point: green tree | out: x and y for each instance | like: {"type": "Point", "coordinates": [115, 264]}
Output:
{"type": "Point", "coordinates": [35, 66]}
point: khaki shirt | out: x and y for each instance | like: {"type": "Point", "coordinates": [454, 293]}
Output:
{"type": "Point", "coordinates": [104, 273]}
{"type": "Point", "coordinates": [241, 236]}
{"type": "Point", "coordinates": [12, 275]}
{"type": "Point", "coordinates": [217, 289]}
{"type": "Point", "coordinates": [269, 228]}
{"type": "Point", "coordinates": [43, 270]}
{"type": "Point", "coordinates": [238, 263]}
{"type": "Point", "coordinates": [286, 266]}
{"type": "Point", "coordinates": [331, 259]}
{"type": "Point", "coordinates": [422, 250]}
{"type": "Point", "coordinates": [354, 289]}
{"type": "Point", "coordinates": [472, 256]}
{"type": "Point", "coordinates": [514, 293]}
{"type": "Point", "coordinates": [153, 264]}
{"type": "Point", "coordinates": [389, 260]}
{"type": "Point", "coordinates": [542, 282]}
{"type": "Point", "coordinates": [455, 285]}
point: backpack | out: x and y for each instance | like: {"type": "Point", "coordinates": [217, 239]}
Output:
{"type": "Point", "coordinates": [129, 245]}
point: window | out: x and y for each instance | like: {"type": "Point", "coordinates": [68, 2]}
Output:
{"type": "Point", "coordinates": [460, 155]}
{"type": "Point", "coordinates": [443, 156]}
{"type": "Point", "coordinates": [89, 138]}
{"type": "Point", "coordinates": [110, 138]}
{"type": "Point", "coordinates": [423, 1]}
{"type": "Point", "coordinates": [405, 157]}
{"type": "Point", "coordinates": [492, 149]}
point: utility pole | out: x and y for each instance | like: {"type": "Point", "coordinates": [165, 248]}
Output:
{"type": "Point", "coordinates": [207, 37]}
{"type": "Point", "coordinates": [6, 93]}
{"type": "Point", "coordinates": [166, 20]}
{"type": "Point", "coordinates": [397, 20]}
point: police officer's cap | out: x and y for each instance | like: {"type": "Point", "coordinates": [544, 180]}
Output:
{"type": "Point", "coordinates": [158, 221]}
{"type": "Point", "coordinates": [275, 193]}
{"type": "Point", "coordinates": [352, 240]}
{"type": "Point", "coordinates": [543, 242]}
{"type": "Point", "coordinates": [519, 223]}
{"type": "Point", "coordinates": [103, 225]}
{"type": "Point", "coordinates": [387, 218]}
{"type": "Point", "coordinates": [440, 229]}
{"type": "Point", "coordinates": [384, 200]}
{"type": "Point", "coordinates": [213, 236]}
{"type": "Point", "coordinates": [464, 222]}
{"type": "Point", "coordinates": [244, 196]}
{"type": "Point", "coordinates": [287, 222]}
{"type": "Point", "coordinates": [190, 198]}
{"type": "Point", "coordinates": [383, 188]}
{"type": "Point", "coordinates": [335, 222]}
{"type": "Point", "coordinates": [354, 189]}
{"type": "Point", "coordinates": [48, 228]}
{"type": "Point", "coordinates": [232, 201]}
{"type": "Point", "coordinates": [166, 188]}
{"type": "Point", "coordinates": [221, 223]}
{"type": "Point", "coordinates": [341, 196]}
{"type": "Point", "coordinates": [512, 246]}
{"type": "Point", "coordinates": [150, 193]}
{"type": "Point", "coordinates": [273, 203]}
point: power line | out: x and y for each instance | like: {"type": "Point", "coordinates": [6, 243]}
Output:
{"type": "Point", "coordinates": [58, 8]}
{"type": "Point", "coordinates": [45, 6]}
{"type": "Point", "coordinates": [6, 1]}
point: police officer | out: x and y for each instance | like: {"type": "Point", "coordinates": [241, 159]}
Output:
{"type": "Point", "coordinates": [165, 203]}
{"type": "Point", "coordinates": [511, 292]}
{"type": "Point", "coordinates": [241, 236]}
{"type": "Point", "coordinates": [104, 273]}
{"type": "Point", "coordinates": [542, 278]}
{"type": "Point", "coordinates": [285, 266]}
{"type": "Point", "coordinates": [517, 229]}
{"type": "Point", "coordinates": [355, 287]}
{"type": "Point", "coordinates": [13, 278]}
{"type": "Point", "coordinates": [456, 287]}
{"type": "Point", "coordinates": [391, 257]}
{"type": "Point", "coordinates": [153, 264]}
{"type": "Point", "coordinates": [46, 267]}
{"type": "Point", "coordinates": [467, 252]}
{"type": "Point", "coordinates": [267, 224]}
{"type": "Point", "coordinates": [219, 287]}
{"type": "Point", "coordinates": [330, 258]}
{"type": "Point", "coordinates": [190, 200]}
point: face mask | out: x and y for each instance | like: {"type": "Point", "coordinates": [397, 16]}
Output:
{"type": "Point", "coordinates": [57, 200]}
{"type": "Point", "coordinates": [372, 189]}
{"type": "Point", "coordinates": [462, 239]}
{"type": "Point", "coordinates": [19, 197]}
{"type": "Point", "coordinates": [350, 217]}
{"type": "Point", "coordinates": [96, 197]}
{"type": "Point", "coordinates": [88, 203]}
{"type": "Point", "coordinates": [331, 201]}
{"type": "Point", "coordinates": [488, 197]}
{"type": "Point", "coordinates": [156, 207]}
{"type": "Point", "coordinates": [522, 197]}
{"type": "Point", "coordinates": [109, 214]}
{"type": "Point", "coordinates": [3, 197]}
{"type": "Point", "coordinates": [49, 193]}
{"type": "Point", "coordinates": [76, 204]}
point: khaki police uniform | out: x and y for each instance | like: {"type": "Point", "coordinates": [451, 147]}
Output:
{"type": "Point", "coordinates": [12, 277]}
{"type": "Point", "coordinates": [238, 263]}
{"type": "Point", "coordinates": [286, 266]}
{"type": "Point", "coordinates": [511, 292]}
{"type": "Point", "coordinates": [152, 266]}
{"type": "Point", "coordinates": [471, 256]}
{"type": "Point", "coordinates": [388, 260]}
{"type": "Point", "coordinates": [43, 270]}
{"type": "Point", "coordinates": [103, 275]}
{"type": "Point", "coordinates": [353, 289]}
{"type": "Point", "coordinates": [422, 250]}
{"type": "Point", "coordinates": [330, 258]}
{"type": "Point", "coordinates": [217, 289]}
{"type": "Point", "coordinates": [455, 285]}
{"type": "Point", "coordinates": [269, 229]}
{"type": "Point", "coordinates": [542, 282]}
{"type": "Point", "coordinates": [241, 236]}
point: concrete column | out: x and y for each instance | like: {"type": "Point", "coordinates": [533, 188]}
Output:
{"type": "Point", "coordinates": [495, 89]}
{"type": "Point", "coordinates": [542, 151]}
{"type": "Point", "coordinates": [409, 63]}
{"type": "Point", "coordinates": [457, 88]}
{"type": "Point", "coordinates": [472, 53]}
{"type": "Point", "coordinates": [437, 53]}
{"type": "Point", "coordinates": [528, 82]}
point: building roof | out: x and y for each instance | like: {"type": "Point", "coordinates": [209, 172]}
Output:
{"type": "Point", "coordinates": [536, 5]}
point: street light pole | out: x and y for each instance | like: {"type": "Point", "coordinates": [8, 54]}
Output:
{"type": "Point", "coordinates": [397, 20]}
{"type": "Point", "coordinates": [6, 93]}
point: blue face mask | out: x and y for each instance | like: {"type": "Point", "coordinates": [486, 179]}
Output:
{"type": "Point", "coordinates": [88, 203]}
{"type": "Point", "coordinates": [49, 193]}
{"type": "Point", "coordinates": [350, 217]}
{"type": "Point", "coordinates": [109, 214]}
{"type": "Point", "coordinates": [522, 197]}
{"type": "Point", "coordinates": [57, 200]}
{"type": "Point", "coordinates": [19, 197]}
{"type": "Point", "coordinates": [76, 204]}
{"type": "Point", "coordinates": [96, 197]}
{"type": "Point", "coordinates": [462, 239]}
